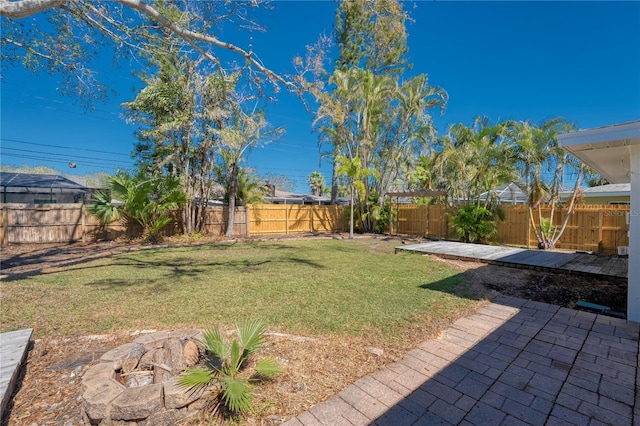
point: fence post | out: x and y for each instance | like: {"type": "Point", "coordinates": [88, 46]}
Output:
{"type": "Point", "coordinates": [528, 228]}
{"type": "Point", "coordinates": [247, 220]}
{"type": "Point", "coordinates": [82, 226]}
{"type": "Point", "coordinates": [286, 220]}
{"type": "Point", "coordinates": [312, 213]}
{"type": "Point", "coordinates": [5, 225]}
{"type": "Point", "coordinates": [600, 225]}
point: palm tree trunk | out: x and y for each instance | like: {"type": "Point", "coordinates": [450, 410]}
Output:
{"type": "Point", "coordinates": [233, 192]}
{"type": "Point", "coordinates": [569, 210]}
{"type": "Point", "coordinates": [351, 217]}
{"type": "Point", "coordinates": [535, 228]}
{"type": "Point", "coordinates": [334, 181]}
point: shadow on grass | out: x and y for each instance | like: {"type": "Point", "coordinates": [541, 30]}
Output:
{"type": "Point", "coordinates": [186, 267]}
{"type": "Point", "coordinates": [150, 286]}
{"type": "Point", "coordinates": [513, 361]}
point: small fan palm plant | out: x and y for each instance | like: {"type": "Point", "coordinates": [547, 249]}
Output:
{"type": "Point", "coordinates": [225, 370]}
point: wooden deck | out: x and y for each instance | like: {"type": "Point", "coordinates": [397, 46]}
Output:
{"type": "Point", "coordinates": [13, 349]}
{"type": "Point", "coordinates": [598, 265]}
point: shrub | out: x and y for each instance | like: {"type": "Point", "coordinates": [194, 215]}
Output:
{"type": "Point", "coordinates": [474, 224]}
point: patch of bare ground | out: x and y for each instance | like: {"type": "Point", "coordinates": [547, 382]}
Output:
{"type": "Point", "coordinates": [315, 368]}
{"type": "Point", "coordinates": [559, 289]}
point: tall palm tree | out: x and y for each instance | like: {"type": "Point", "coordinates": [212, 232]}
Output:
{"type": "Point", "coordinates": [537, 151]}
{"type": "Point", "coordinates": [355, 173]}
{"type": "Point", "coordinates": [473, 159]}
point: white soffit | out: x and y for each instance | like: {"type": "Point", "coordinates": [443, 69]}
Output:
{"type": "Point", "coordinates": [605, 148]}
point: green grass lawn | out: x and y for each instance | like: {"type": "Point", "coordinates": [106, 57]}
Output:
{"type": "Point", "coordinates": [321, 287]}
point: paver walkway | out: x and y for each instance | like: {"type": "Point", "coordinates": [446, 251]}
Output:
{"type": "Point", "coordinates": [581, 263]}
{"type": "Point", "coordinates": [13, 348]}
{"type": "Point", "coordinates": [513, 362]}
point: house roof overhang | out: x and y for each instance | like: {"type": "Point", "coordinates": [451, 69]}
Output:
{"type": "Point", "coordinates": [606, 149]}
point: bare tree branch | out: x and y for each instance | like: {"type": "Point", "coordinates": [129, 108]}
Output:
{"type": "Point", "coordinates": [26, 8]}
{"type": "Point", "coordinates": [192, 36]}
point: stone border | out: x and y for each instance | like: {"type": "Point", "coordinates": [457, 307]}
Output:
{"type": "Point", "coordinates": [106, 401]}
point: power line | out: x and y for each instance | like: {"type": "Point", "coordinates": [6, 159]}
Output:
{"type": "Point", "coordinates": [70, 157]}
{"type": "Point", "coordinates": [64, 147]}
{"type": "Point", "coordinates": [87, 163]}
{"type": "Point", "coordinates": [61, 110]}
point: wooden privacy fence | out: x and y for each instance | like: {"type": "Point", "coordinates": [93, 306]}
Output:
{"type": "Point", "coordinates": [64, 223]}
{"type": "Point", "coordinates": [590, 227]}
{"type": "Point", "coordinates": [286, 219]}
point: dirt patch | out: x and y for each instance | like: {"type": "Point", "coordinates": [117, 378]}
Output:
{"type": "Point", "coordinates": [558, 289]}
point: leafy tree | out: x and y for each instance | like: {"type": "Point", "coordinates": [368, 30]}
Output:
{"type": "Point", "coordinates": [66, 43]}
{"type": "Point", "coordinates": [474, 224]}
{"type": "Point", "coordinates": [250, 190]}
{"type": "Point", "coordinates": [316, 183]}
{"type": "Point", "coordinates": [368, 109]}
{"type": "Point", "coordinates": [177, 112]}
{"type": "Point", "coordinates": [145, 199]}
{"type": "Point", "coordinates": [226, 365]}
{"type": "Point", "coordinates": [240, 131]}
{"type": "Point", "coordinates": [281, 182]}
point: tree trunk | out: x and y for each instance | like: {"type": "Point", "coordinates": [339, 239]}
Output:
{"type": "Point", "coordinates": [351, 217]}
{"type": "Point", "coordinates": [334, 182]}
{"type": "Point", "coordinates": [569, 210]}
{"type": "Point", "coordinates": [233, 191]}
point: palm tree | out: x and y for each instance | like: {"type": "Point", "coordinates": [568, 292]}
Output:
{"type": "Point", "coordinates": [316, 183]}
{"type": "Point", "coordinates": [228, 360]}
{"type": "Point", "coordinates": [146, 200]}
{"type": "Point", "coordinates": [355, 173]}
{"type": "Point", "coordinates": [474, 159]}
{"type": "Point", "coordinates": [537, 149]}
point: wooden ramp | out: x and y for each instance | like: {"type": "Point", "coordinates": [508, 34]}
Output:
{"type": "Point", "coordinates": [599, 265]}
{"type": "Point", "coordinates": [13, 349]}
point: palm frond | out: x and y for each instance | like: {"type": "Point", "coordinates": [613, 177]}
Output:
{"type": "Point", "coordinates": [268, 367]}
{"type": "Point", "coordinates": [251, 336]}
{"type": "Point", "coordinates": [236, 393]}
{"type": "Point", "coordinates": [214, 342]}
{"type": "Point", "coordinates": [195, 378]}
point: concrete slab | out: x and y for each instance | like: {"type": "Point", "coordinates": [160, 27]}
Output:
{"type": "Point", "coordinates": [13, 350]}
{"type": "Point", "coordinates": [598, 265]}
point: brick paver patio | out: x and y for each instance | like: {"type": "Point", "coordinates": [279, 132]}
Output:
{"type": "Point", "coordinates": [513, 362]}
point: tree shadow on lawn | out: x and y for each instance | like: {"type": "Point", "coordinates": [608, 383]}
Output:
{"type": "Point", "coordinates": [150, 286]}
{"type": "Point", "coordinates": [187, 267]}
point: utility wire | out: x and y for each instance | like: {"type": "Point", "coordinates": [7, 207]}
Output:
{"type": "Point", "coordinates": [64, 147]}
{"type": "Point", "coordinates": [87, 163]}
{"type": "Point", "coordinates": [70, 157]}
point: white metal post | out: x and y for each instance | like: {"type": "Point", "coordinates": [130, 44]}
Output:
{"type": "Point", "coordinates": [633, 295]}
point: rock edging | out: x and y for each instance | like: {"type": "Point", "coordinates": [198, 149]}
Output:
{"type": "Point", "coordinates": [161, 401]}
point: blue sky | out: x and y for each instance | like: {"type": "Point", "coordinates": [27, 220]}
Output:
{"type": "Point", "coordinates": [506, 60]}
